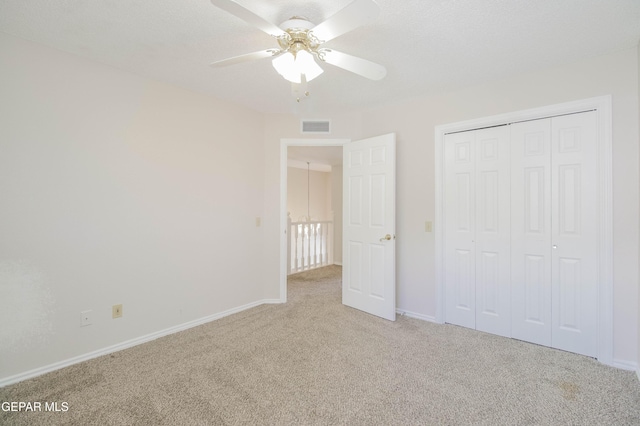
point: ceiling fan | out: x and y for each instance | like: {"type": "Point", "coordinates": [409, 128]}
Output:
{"type": "Point", "coordinates": [300, 42]}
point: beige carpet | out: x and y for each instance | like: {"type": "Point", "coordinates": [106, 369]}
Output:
{"type": "Point", "coordinates": [314, 361]}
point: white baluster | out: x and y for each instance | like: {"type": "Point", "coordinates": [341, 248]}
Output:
{"type": "Point", "coordinates": [330, 245]}
{"type": "Point", "coordinates": [305, 245]}
{"type": "Point", "coordinates": [316, 258]}
{"type": "Point", "coordinates": [324, 243]}
{"type": "Point", "coordinates": [310, 246]}
{"type": "Point", "coordinates": [301, 232]}
{"type": "Point", "coordinates": [294, 231]}
{"type": "Point", "coordinates": [319, 244]}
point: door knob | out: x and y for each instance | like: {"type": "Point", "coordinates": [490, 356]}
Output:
{"type": "Point", "coordinates": [386, 238]}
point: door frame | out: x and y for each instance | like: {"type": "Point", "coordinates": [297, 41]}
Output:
{"type": "Point", "coordinates": [284, 145]}
{"type": "Point", "coordinates": [604, 171]}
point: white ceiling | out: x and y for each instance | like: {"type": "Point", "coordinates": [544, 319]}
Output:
{"type": "Point", "coordinates": [428, 46]}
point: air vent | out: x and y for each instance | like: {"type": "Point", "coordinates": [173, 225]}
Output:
{"type": "Point", "coordinates": [316, 126]}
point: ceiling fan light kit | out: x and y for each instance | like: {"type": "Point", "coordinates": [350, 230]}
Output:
{"type": "Point", "coordinates": [300, 42]}
{"type": "Point", "coordinates": [299, 47]}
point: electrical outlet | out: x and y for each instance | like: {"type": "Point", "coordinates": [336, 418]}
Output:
{"type": "Point", "coordinates": [116, 311]}
{"type": "Point", "coordinates": [85, 318]}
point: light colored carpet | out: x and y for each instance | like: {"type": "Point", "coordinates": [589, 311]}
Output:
{"type": "Point", "coordinates": [315, 361]}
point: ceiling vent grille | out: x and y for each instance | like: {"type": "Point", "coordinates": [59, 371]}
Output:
{"type": "Point", "coordinates": [316, 126]}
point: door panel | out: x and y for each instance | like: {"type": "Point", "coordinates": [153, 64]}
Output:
{"type": "Point", "coordinates": [536, 305]}
{"type": "Point", "coordinates": [492, 234]}
{"type": "Point", "coordinates": [378, 198]}
{"type": "Point", "coordinates": [463, 209]}
{"type": "Point", "coordinates": [464, 282]}
{"type": "Point", "coordinates": [574, 233]}
{"type": "Point", "coordinates": [459, 223]}
{"type": "Point", "coordinates": [377, 253]}
{"type": "Point", "coordinates": [531, 231]}
{"type": "Point", "coordinates": [569, 289]}
{"type": "Point", "coordinates": [354, 254]}
{"type": "Point", "coordinates": [488, 300]}
{"type": "Point", "coordinates": [368, 274]}
{"type": "Point", "coordinates": [356, 199]}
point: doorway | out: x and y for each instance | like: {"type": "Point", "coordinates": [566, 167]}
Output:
{"type": "Point", "coordinates": [369, 176]}
{"type": "Point", "coordinates": [284, 236]}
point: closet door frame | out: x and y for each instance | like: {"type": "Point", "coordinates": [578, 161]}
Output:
{"type": "Point", "coordinates": [602, 106]}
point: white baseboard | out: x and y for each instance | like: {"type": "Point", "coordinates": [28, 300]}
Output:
{"type": "Point", "coordinates": [129, 343]}
{"type": "Point", "coordinates": [625, 365]}
{"type": "Point", "coordinates": [337, 263]}
{"type": "Point", "coordinates": [410, 314]}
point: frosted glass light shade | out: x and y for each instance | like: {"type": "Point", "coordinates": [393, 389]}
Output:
{"type": "Point", "coordinates": [286, 67]}
{"type": "Point", "coordinates": [307, 65]}
{"type": "Point", "coordinates": [291, 67]}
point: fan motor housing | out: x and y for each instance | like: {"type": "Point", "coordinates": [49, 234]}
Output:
{"type": "Point", "coordinates": [296, 23]}
{"type": "Point", "coordinates": [298, 36]}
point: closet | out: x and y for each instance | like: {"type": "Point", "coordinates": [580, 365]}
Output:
{"type": "Point", "coordinates": [520, 231]}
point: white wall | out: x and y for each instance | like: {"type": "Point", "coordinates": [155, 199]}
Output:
{"type": "Point", "coordinates": [414, 121]}
{"type": "Point", "coordinates": [116, 189]}
{"type": "Point", "coordinates": [318, 187]}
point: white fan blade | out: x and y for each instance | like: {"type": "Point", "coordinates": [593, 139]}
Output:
{"type": "Point", "coordinates": [357, 13]}
{"type": "Point", "coordinates": [245, 58]}
{"type": "Point", "coordinates": [248, 16]}
{"type": "Point", "coordinates": [356, 65]}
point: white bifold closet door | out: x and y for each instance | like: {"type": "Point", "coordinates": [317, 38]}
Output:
{"type": "Point", "coordinates": [553, 234]}
{"type": "Point", "coordinates": [477, 230]}
{"type": "Point", "coordinates": [520, 231]}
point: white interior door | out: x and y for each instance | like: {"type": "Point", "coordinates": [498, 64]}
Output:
{"type": "Point", "coordinates": [368, 273]}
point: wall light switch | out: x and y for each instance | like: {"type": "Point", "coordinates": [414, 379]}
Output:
{"type": "Point", "coordinates": [258, 221]}
{"type": "Point", "coordinates": [428, 226]}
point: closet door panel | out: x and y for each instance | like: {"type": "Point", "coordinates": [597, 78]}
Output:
{"type": "Point", "coordinates": [493, 293]}
{"type": "Point", "coordinates": [531, 231]}
{"type": "Point", "coordinates": [574, 233]}
{"type": "Point", "coordinates": [459, 223]}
